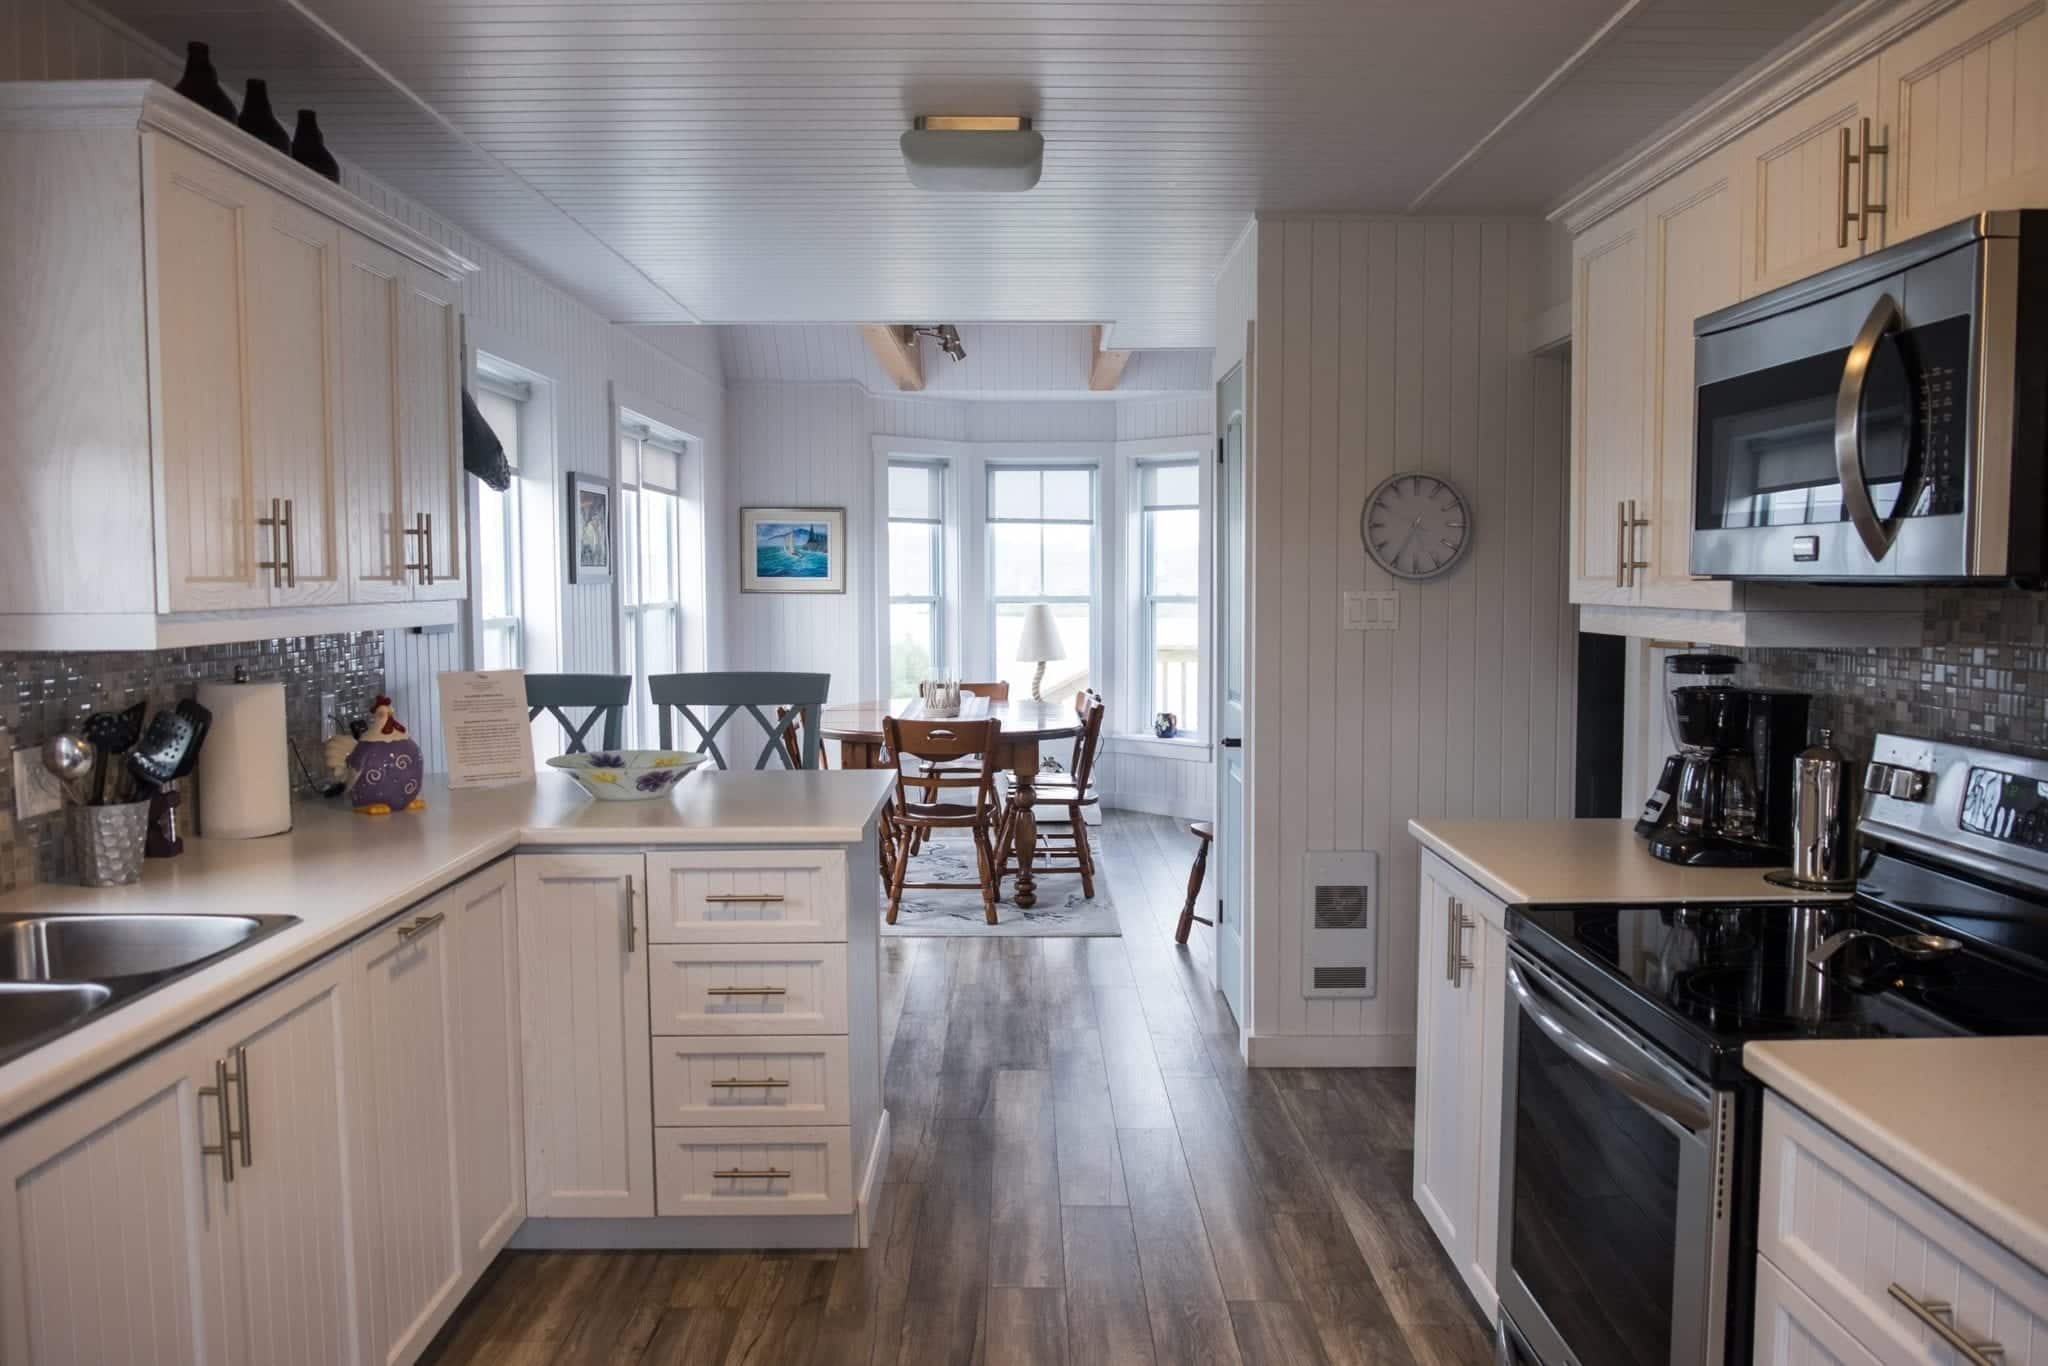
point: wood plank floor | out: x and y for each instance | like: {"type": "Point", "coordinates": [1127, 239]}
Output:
{"type": "Point", "coordinates": [1083, 1171]}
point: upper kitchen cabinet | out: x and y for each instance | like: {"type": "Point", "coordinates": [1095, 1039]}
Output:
{"type": "Point", "coordinates": [1807, 175]}
{"type": "Point", "coordinates": [1966, 107]}
{"type": "Point", "coordinates": [213, 425]}
{"type": "Point", "coordinates": [1608, 390]}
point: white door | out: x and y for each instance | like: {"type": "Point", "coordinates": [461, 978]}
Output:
{"type": "Point", "coordinates": [111, 1223]}
{"type": "Point", "coordinates": [1447, 1071]}
{"type": "Point", "coordinates": [583, 1021]}
{"type": "Point", "coordinates": [410, 1250]}
{"type": "Point", "coordinates": [483, 1004]}
{"type": "Point", "coordinates": [370, 434]}
{"type": "Point", "coordinates": [1230, 605]}
{"type": "Point", "coordinates": [430, 485]}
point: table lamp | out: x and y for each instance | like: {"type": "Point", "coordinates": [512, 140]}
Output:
{"type": "Point", "coordinates": [1039, 643]}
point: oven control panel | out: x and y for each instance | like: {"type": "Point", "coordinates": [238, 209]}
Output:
{"type": "Point", "coordinates": [1977, 807]}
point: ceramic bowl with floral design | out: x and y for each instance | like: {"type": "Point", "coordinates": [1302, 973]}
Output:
{"type": "Point", "coordinates": [628, 775]}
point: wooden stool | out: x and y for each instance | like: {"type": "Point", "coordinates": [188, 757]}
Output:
{"type": "Point", "coordinates": [1204, 832]}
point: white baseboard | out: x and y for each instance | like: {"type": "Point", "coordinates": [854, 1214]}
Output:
{"type": "Point", "coordinates": [871, 1183]}
{"type": "Point", "coordinates": [1330, 1050]}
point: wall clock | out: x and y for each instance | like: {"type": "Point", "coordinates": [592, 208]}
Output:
{"type": "Point", "coordinates": [1416, 526]}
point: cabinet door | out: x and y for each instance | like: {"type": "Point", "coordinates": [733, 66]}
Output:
{"type": "Point", "coordinates": [111, 1223]}
{"type": "Point", "coordinates": [411, 1249]}
{"type": "Point", "coordinates": [290, 304]}
{"type": "Point", "coordinates": [201, 216]}
{"type": "Point", "coordinates": [584, 1036]}
{"type": "Point", "coordinates": [1791, 1330]}
{"type": "Point", "coordinates": [1695, 267]}
{"type": "Point", "coordinates": [1795, 184]}
{"type": "Point", "coordinates": [483, 1002]}
{"type": "Point", "coordinates": [1447, 1074]}
{"type": "Point", "coordinates": [430, 376]}
{"type": "Point", "coordinates": [1608, 384]}
{"type": "Point", "coordinates": [1490, 991]}
{"type": "Point", "coordinates": [1966, 105]}
{"type": "Point", "coordinates": [291, 1269]}
{"type": "Point", "coordinates": [371, 432]}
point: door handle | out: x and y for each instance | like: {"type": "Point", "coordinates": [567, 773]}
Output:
{"type": "Point", "coordinates": [224, 1149]}
{"type": "Point", "coordinates": [1865, 205]}
{"type": "Point", "coordinates": [1232, 742]}
{"type": "Point", "coordinates": [1937, 1315]}
{"type": "Point", "coordinates": [291, 548]}
{"type": "Point", "coordinates": [1883, 318]}
{"type": "Point", "coordinates": [421, 925]}
{"type": "Point", "coordinates": [1675, 1106]}
{"type": "Point", "coordinates": [632, 926]}
{"type": "Point", "coordinates": [1620, 544]}
{"type": "Point", "coordinates": [240, 1077]}
{"type": "Point", "coordinates": [1632, 525]}
{"type": "Point", "coordinates": [275, 522]}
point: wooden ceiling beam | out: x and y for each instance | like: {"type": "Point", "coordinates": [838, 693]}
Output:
{"type": "Point", "coordinates": [1107, 369]}
{"type": "Point", "coordinates": [897, 353]}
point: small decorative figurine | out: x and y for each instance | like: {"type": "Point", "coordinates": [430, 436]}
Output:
{"type": "Point", "coordinates": [386, 762]}
{"type": "Point", "coordinates": [1166, 725]}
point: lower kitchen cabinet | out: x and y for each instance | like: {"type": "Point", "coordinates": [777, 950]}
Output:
{"type": "Point", "coordinates": [490, 1115]}
{"type": "Point", "coordinates": [584, 1035]}
{"type": "Point", "coordinates": [1459, 1008]}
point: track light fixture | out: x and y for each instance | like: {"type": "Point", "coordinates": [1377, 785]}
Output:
{"type": "Point", "coordinates": [947, 336]}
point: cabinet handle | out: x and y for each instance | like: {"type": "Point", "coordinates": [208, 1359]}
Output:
{"type": "Point", "coordinates": [291, 548]}
{"type": "Point", "coordinates": [746, 991]}
{"type": "Point", "coordinates": [1845, 215]}
{"type": "Point", "coordinates": [1620, 544]}
{"type": "Point", "coordinates": [224, 1149]}
{"type": "Point", "coordinates": [1937, 1315]}
{"type": "Point", "coordinates": [632, 927]}
{"type": "Point", "coordinates": [1450, 939]}
{"type": "Point", "coordinates": [421, 925]}
{"type": "Point", "coordinates": [728, 1083]}
{"type": "Point", "coordinates": [424, 565]}
{"type": "Point", "coordinates": [1631, 524]}
{"type": "Point", "coordinates": [240, 1077]}
{"type": "Point", "coordinates": [724, 898]}
{"type": "Point", "coordinates": [1866, 206]}
{"type": "Point", "coordinates": [275, 522]}
{"type": "Point", "coordinates": [1460, 964]}
{"type": "Point", "coordinates": [428, 520]}
{"type": "Point", "coordinates": [751, 1173]}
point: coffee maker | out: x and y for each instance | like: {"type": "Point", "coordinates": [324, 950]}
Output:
{"type": "Point", "coordinates": [1731, 806]}
{"type": "Point", "coordinates": [1680, 671]}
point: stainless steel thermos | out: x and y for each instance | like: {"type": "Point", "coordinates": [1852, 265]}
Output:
{"type": "Point", "coordinates": [1823, 821]}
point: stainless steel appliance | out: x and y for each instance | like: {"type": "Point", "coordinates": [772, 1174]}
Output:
{"type": "Point", "coordinates": [1682, 670]}
{"type": "Point", "coordinates": [1629, 1138]}
{"type": "Point", "coordinates": [1823, 819]}
{"type": "Point", "coordinates": [1733, 805]}
{"type": "Point", "coordinates": [1884, 420]}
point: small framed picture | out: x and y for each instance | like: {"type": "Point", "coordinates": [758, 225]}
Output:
{"type": "Point", "coordinates": [590, 529]}
{"type": "Point", "coordinates": [793, 550]}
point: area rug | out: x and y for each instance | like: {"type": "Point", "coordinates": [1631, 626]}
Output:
{"type": "Point", "coordinates": [1061, 909]}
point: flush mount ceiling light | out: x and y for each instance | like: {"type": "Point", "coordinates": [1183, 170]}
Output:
{"type": "Point", "coordinates": [952, 152]}
{"type": "Point", "coordinates": [947, 336]}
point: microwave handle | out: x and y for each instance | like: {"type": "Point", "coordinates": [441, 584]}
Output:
{"type": "Point", "coordinates": [1663, 1102]}
{"type": "Point", "coordinates": [1884, 318]}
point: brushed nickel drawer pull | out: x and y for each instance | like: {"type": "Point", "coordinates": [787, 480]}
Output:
{"type": "Point", "coordinates": [421, 925]}
{"type": "Point", "coordinates": [1936, 1314]}
{"type": "Point", "coordinates": [276, 563]}
{"type": "Point", "coordinates": [722, 898]}
{"type": "Point", "coordinates": [291, 549]}
{"type": "Point", "coordinates": [729, 1082]}
{"type": "Point", "coordinates": [240, 1077]}
{"type": "Point", "coordinates": [751, 1174]}
{"type": "Point", "coordinates": [748, 991]}
{"type": "Point", "coordinates": [1866, 205]}
{"type": "Point", "coordinates": [224, 1149]}
{"type": "Point", "coordinates": [424, 566]}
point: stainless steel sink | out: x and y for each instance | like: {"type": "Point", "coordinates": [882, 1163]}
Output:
{"type": "Point", "coordinates": [58, 972]}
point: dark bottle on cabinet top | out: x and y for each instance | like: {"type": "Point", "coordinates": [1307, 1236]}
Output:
{"type": "Point", "coordinates": [259, 122]}
{"type": "Point", "coordinates": [309, 149]}
{"type": "Point", "coordinates": [201, 84]}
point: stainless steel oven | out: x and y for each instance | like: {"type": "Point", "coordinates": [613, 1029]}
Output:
{"type": "Point", "coordinates": [1615, 1207]}
{"type": "Point", "coordinates": [1884, 420]}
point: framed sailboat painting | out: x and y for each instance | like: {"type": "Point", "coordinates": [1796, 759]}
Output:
{"type": "Point", "coordinates": [793, 550]}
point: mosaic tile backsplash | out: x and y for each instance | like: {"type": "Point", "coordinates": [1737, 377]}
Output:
{"type": "Point", "coordinates": [1980, 677]}
{"type": "Point", "coordinates": [43, 694]}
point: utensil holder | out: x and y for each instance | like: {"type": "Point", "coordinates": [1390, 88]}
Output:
{"type": "Point", "coordinates": [109, 842]}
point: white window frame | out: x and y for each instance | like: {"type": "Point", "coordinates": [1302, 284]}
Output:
{"type": "Point", "coordinates": [495, 380]}
{"type": "Point", "coordinates": [637, 610]}
{"type": "Point", "coordinates": [940, 599]}
{"type": "Point", "coordinates": [1144, 681]}
{"type": "Point", "coordinates": [1132, 731]}
{"type": "Point", "coordinates": [1099, 666]}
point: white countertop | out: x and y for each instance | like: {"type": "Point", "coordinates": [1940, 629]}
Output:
{"type": "Point", "coordinates": [342, 874]}
{"type": "Point", "coordinates": [1955, 1117]}
{"type": "Point", "coordinates": [1530, 862]}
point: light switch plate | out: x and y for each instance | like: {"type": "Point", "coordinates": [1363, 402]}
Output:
{"type": "Point", "coordinates": [1377, 611]}
{"type": "Point", "coordinates": [37, 792]}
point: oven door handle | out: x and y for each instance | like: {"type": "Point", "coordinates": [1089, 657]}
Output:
{"type": "Point", "coordinates": [1884, 318]}
{"type": "Point", "coordinates": [1665, 1102]}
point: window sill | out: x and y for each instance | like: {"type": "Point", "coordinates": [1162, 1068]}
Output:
{"type": "Point", "coordinates": [1187, 749]}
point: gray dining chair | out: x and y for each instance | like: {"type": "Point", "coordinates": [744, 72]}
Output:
{"type": "Point", "coordinates": [796, 700]}
{"type": "Point", "coordinates": [604, 695]}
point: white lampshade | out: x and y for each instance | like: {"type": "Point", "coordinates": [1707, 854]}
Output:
{"type": "Point", "coordinates": [1040, 638]}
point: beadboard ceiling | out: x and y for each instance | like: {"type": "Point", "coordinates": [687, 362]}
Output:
{"type": "Point", "coordinates": [736, 160]}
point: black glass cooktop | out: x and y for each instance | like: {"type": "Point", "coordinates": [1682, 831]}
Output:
{"type": "Point", "coordinates": [1702, 981]}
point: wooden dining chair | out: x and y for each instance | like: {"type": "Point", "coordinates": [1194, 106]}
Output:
{"type": "Point", "coordinates": [917, 815]}
{"type": "Point", "coordinates": [603, 695]}
{"type": "Point", "coordinates": [797, 698]}
{"type": "Point", "coordinates": [1076, 792]}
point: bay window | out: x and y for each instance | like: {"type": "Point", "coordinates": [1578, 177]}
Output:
{"type": "Point", "coordinates": [1170, 590]}
{"type": "Point", "coordinates": [1041, 548]}
{"type": "Point", "coordinates": [917, 576]}
{"type": "Point", "coordinates": [650, 562]}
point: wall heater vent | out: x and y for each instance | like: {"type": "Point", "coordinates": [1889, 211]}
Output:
{"type": "Point", "coordinates": [1340, 939]}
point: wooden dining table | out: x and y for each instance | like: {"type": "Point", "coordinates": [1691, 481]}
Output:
{"type": "Point", "coordinates": [1026, 725]}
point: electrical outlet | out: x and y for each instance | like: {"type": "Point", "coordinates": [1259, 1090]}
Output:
{"type": "Point", "coordinates": [1379, 611]}
{"type": "Point", "coordinates": [37, 791]}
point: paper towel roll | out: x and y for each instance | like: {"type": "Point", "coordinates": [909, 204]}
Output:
{"type": "Point", "coordinates": [245, 781]}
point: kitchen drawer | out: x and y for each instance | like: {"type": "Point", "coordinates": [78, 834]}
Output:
{"type": "Point", "coordinates": [753, 896]}
{"type": "Point", "coordinates": [1791, 1330]}
{"type": "Point", "coordinates": [1844, 1229]}
{"type": "Point", "coordinates": [800, 1081]}
{"type": "Point", "coordinates": [748, 988]}
{"type": "Point", "coordinates": [754, 1171]}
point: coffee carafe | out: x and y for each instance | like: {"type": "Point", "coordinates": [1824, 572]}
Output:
{"type": "Point", "coordinates": [1680, 671]}
{"type": "Point", "coordinates": [1732, 803]}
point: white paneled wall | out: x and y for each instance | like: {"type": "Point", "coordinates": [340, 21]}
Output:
{"type": "Point", "coordinates": [1387, 345]}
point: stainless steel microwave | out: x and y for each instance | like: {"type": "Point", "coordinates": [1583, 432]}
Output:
{"type": "Point", "coordinates": [1884, 420]}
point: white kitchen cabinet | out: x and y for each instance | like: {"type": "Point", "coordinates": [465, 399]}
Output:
{"type": "Point", "coordinates": [1462, 973]}
{"type": "Point", "coordinates": [1964, 102]}
{"type": "Point", "coordinates": [584, 1035]}
{"type": "Point", "coordinates": [483, 995]}
{"type": "Point", "coordinates": [1791, 1330]}
{"type": "Point", "coordinates": [1798, 182]}
{"type": "Point", "coordinates": [1609, 386]}
{"type": "Point", "coordinates": [196, 376]}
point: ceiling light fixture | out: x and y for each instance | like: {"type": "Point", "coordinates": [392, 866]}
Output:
{"type": "Point", "coordinates": [973, 152]}
{"type": "Point", "coordinates": [947, 336]}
